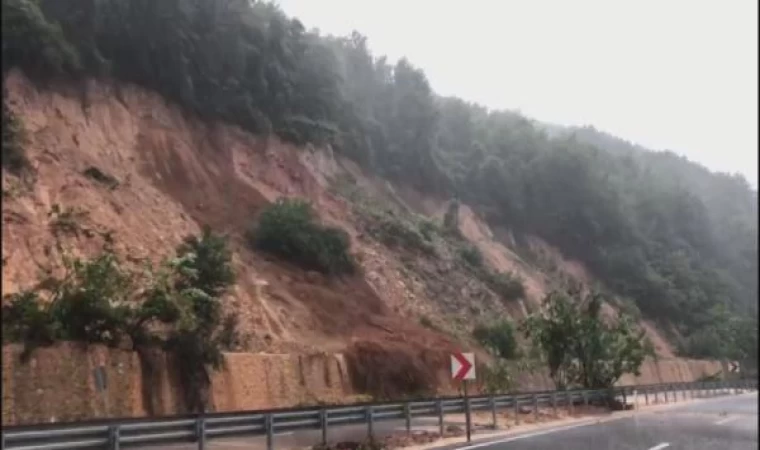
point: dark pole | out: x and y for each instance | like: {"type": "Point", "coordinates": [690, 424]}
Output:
{"type": "Point", "coordinates": [467, 409]}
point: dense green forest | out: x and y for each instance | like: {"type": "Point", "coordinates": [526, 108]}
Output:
{"type": "Point", "coordinates": [672, 236]}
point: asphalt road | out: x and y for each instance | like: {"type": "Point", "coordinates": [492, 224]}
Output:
{"type": "Point", "coordinates": [723, 423]}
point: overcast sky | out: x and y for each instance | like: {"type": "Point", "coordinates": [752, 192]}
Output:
{"type": "Point", "coordinates": [668, 74]}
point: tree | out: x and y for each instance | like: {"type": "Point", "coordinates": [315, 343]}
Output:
{"type": "Point", "coordinates": [553, 333]}
{"type": "Point", "coordinates": [498, 337]}
{"type": "Point", "coordinates": [579, 347]}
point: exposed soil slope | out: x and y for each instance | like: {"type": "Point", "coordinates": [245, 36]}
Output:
{"type": "Point", "coordinates": [175, 173]}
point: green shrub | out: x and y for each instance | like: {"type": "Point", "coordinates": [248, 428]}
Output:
{"type": "Point", "coordinates": [506, 285]}
{"type": "Point", "coordinates": [288, 229]}
{"type": "Point", "coordinates": [472, 256]}
{"type": "Point", "coordinates": [497, 378]}
{"type": "Point", "coordinates": [427, 229]}
{"type": "Point", "coordinates": [498, 337]}
{"type": "Point", "coordinates": [205, 263]}
{"type": "Point", "coordinates": [394, 231]}
{"type": "Point", "coordinates": [26, 320]}
{"type": "Point", "coordinates": [13, 158]}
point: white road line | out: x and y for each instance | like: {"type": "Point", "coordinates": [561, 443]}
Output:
{"type": "Point", "coordinates": [726, 420]}
{"type": "Point", "coordinates": [660, 446]}
{"type": "Point", "coordinates": [538, 433]}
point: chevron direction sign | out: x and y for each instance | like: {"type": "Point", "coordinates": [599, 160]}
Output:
{"type": "Point", "coordinates": [463, 366]}
{"type": "Point", "coordinates": [733, 367]}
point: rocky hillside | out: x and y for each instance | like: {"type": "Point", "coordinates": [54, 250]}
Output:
{"type": "Point", "coordinates": [172, 173]}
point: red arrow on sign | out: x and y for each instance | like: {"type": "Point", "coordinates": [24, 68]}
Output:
{"type": "Point", "coordinates": [464, 366]}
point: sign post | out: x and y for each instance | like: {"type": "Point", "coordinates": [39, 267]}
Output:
{"type": "Point", "coordinates": [463, 369]}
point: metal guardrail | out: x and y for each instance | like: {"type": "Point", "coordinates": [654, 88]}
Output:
{"type": "Point", "coordinates": [200, 429]}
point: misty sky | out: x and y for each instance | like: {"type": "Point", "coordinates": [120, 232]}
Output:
{"type": "Point", "coordinates": [668, 74]}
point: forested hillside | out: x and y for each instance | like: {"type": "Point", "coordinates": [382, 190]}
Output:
{"type": "Point", "coordinates": [673, 237]}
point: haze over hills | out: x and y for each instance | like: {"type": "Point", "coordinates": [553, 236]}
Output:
{"type": "Point", "coordinates": [619, 67]}
{"type": "Point", "coordinates": [431, 216]}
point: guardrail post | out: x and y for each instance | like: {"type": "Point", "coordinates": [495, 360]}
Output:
{"type": "Point", "coordinates": [646, 396]}
{"type": "Point", "coordinates": [493, 412]}
{"type": "Point", "coordinates": [439, 410]}
{"type": "Point", "coordinates": [570, 406]}
{"type": "Point", "coordinates": [468, 415]}
{"type": "Point", "coordinates": [370, 425]}
{"type": "Point", "coordinates": [516, 406]}
{"type": "Point", "coordinates": [535, 407]}
{"type": "Point", "coordinates": [585, 398]}
{"type": "Point", "coordinates": [554, 403]}
{"type": "Point", "coordinates": [323, 425]}
{"type": "Point", "coordinates": [200, 432]}
{"type": "Point", "coordinates": [113, 437]}
{"type": "Point", "coordinates": [408, 417]}
{"type": "Point", "coordinates": [269, 424]}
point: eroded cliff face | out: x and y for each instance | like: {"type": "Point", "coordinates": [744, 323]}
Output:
{"type": "Point", "coordinates": [173, 173]}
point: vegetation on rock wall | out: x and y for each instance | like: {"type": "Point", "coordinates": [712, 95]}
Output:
{"type": "Point", "coordinates": [176, 306]}
{"type": "Point", "coordinates": [678, 240]}
{"type": "Point", "coordinates": [14, 157]}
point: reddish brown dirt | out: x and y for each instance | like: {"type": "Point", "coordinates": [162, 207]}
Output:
{"type": "Point", "coordinates": [175, 174]}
